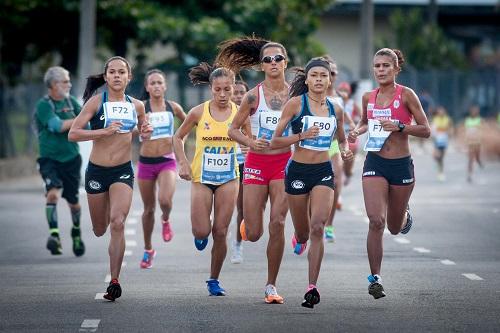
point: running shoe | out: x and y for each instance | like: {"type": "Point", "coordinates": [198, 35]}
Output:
{"type": "Point", "coordinates": [214, 289]}
{"type": "Point", "coordinates": [271, 295]}
{"type": "Point", "coordinates": [409, 221]}
{"type": "Point", "coordinates": [147, 258]}
{"type": "Point", "coordinates": [113, 291]}
{"type": "Point", "coordinates": [237, 257]}
{"type": "Point", "coordinates": [375, 288]}
{"type": "Point", "coordinates": [166, 231]}
{"type": "Point", "coordinates": [200, 244]}
{"type": "Point", "coordinates": [311, 298]}
{"type": "Point", "coordinates": [78, 245]}
{"type": "Point", "coordinates": [243, 232]}
{"type": "Point", "coordinates": [54, 245]}
{"type": "Point", "coordinates": [329, 234]}
{"type": "Point", "coordinates": [298, 248]}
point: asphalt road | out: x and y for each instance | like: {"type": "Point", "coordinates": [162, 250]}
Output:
{"type": "Point", "coordinates": [444, 276]}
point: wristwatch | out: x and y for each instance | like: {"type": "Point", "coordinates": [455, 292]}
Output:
{"type": "Point", "coordinates": [401, 127]}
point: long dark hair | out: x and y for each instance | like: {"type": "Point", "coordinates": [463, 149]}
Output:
{"type": "Point", "coordinates": [145, 94]}
{"type": "Point", "coordinates": [205, 73]}
{"type": "Point", "coordinates": [244, 52]}
{"type": "Point", "coordinates": [96, 81]}
{"type": "Point", "coordinates": [298, 85]}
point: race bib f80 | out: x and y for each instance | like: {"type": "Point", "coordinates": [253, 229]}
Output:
{"type": "Point", "coordinates": [327, 128]}
{"type": "Point", "coordinates": [267, 124]}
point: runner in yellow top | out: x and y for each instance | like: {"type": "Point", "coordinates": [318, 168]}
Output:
{"type": "Point", "coordinates": [441, 126]}
{"type": "Point", "coordinates": [213, 171]}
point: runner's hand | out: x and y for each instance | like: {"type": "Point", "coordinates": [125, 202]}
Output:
{"type": "Point", "coordinates": [389, 125]}
{"type": "Point", "coordinates": [260, 144]}
{"type": "Point", "coordinates": [185, 171]}
{"type": "Point", "coordinates": [113, 128]}
{"type": "Point", "coordinates": [346, 155]}
{"type": "Point", "coordinates": [353, 136]}
{"type": "Point", "coordinates": [312, 132]}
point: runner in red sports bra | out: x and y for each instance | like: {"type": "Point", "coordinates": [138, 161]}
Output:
{"type": "Point", "coordinates": [388, 177]}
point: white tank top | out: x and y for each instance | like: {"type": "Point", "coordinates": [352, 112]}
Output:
{"type": "Point", "coordinates": [262, 107]}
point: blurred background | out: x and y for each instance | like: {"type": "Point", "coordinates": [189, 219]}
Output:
{"type": "Point", "coordinates": [452, 48]}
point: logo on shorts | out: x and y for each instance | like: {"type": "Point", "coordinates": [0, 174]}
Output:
{"type": "Point", "coordinates": [298, 184]}
{"type": "Point", "coordinates": [396, 104]}
{"type": "Point", "coordinates": [326, 178]}
{"type": "Point", "coordinates": [102, 117]}
{"type": "Point", "coordinates": [408, 181]}
{"type": "Point", "coordinates": [369, 173]}
{"type": "Point", "coordinates": [124, 176]}
{"type": "Point", "coordinates": [94, 185]}
{"type": "Point", "coordinates": [254, 171]}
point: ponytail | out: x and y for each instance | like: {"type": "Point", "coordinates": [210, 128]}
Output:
{"type": "Point", "coordinates": [298, 86]}
{"type": "Point", "coordinates": [244, 52]}
{"type": "Point", "coordinates": [205, 73]}
{"type": "Point", "coordinates": [395, 54]}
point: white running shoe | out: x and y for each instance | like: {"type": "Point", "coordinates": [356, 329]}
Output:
{"type": "Point", "coordinates": [237, 257]}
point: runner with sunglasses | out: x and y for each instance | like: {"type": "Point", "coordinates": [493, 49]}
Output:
{"type": "Point", "coordinates": [309, 180]}
{"type": "Point", "coordinates": [264, 167]}
{"type": "Point", "coordinates": [388, 172]}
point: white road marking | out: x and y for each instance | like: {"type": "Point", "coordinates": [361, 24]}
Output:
{"type": "Point", "coordinates": [132, 220]}
{"type": "Point", "coordinates": [107, 278]}
{"type": "Point", "coordinates": [127, 253]}
{"type": "Point", "coordinates": [90, 325]}
{"type": "Point", "coordinates": [421, 250]}
{"type": "Point", "coordinates": [99, 296]}
{"type": "Point", "coordinates": [130, 243]}
{"type": "Point", "coordinates": [472, 276]}
{"type": "Point", "coordinates": [129, 232]}
{"type": "Point", "coordinates": [447, 262]}
{"type": "Point", "coordinates": [401, 240]}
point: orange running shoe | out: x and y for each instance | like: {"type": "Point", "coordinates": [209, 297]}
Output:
{"type": "Point", "coordinates": [271, 295]}
{"type": "Point", "coordinates": [243, 232]}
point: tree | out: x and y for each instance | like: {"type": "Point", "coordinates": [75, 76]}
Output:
{"type": "Point", "coordinates": [423, 44]}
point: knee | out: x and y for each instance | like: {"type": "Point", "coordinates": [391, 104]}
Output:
{"type": "Point", "coordinates": [200, 233]}
{"type": "Point", "coordinates": [148, 211]}
{"type": "Point", "coordinates": [253, 234]}
{"type": "Point", "coordinates": [276, 226]}
{"type": "Point", "coordinates": [219, 233]}
{"type": "Point", "coordinates": [166, 204]}
{"type": "Point", "coordinates": [117, 224]}
{"type": "Point", "coordinates": [317, 230]}
{"type": "Point", "coordinates": [52, 197]}
{"type": "Point", "coordinates": [377, 223]}
{"type": "Point", "coordinates": [99, 231]}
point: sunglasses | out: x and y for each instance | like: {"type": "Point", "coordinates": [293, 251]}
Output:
{"type": "Point", "coordinates": [276, 58]}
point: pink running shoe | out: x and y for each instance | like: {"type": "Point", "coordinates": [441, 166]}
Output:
{"type": "Point", "coordinates": [147, 259]}
{"type": "Point", "coordinates": [298, 248]}
{"type": "Point", "coordinates": [166, 231]}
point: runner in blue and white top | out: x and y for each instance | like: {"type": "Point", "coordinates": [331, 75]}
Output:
{"type": "Point", "coordinates": [309, 176]}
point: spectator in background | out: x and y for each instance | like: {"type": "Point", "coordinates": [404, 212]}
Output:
{"type": "Point", "coordinates": [60, 161]}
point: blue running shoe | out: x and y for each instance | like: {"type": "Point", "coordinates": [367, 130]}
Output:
{"type": "Point", "coordinates": [214, 289]}
{"type": "Point", "coordinates": [200, 244]}
{"type": "Point", "coordinates": [409, 221]}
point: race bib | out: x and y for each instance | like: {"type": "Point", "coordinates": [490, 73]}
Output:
{"type": "Point", "coordinates": [327, 128]}
{"type": "Point", "coordinates": [217, 168]}
{"type": "Point", "coordinates": [441, 139]}
{"type": "Point", "coordinates": [163, 124]}
{"type": "Point", "coordinates": [120, 111]}
{"type": "Point", "coordinates": [376, 135]}
{"type": "Point", "coordinates": [267, 124]}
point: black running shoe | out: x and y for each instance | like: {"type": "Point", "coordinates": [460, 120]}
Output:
{"type": "Point", "coordinates": [54, 245]}
{"type": "Point", "coordinates": [311, 298]}
{"type": "Point", "coordinates": [114, 290]}
{"type": "Point", "coordinates": [409, 221]}
{"type": "Point", "coordinates": [78, 245]}
{"type": "Point", "coordinates": [375, 288]}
